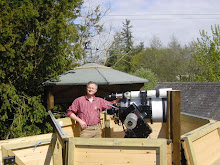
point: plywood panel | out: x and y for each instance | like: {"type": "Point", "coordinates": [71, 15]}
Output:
{"type": "Point", "coordinates": [115, 155]}
{"type": "Point", "coordinates": [28, 139]}
{"type": "Point", "coordinates": [41, 155]}
{"type": "Point", "coordinates": [71, 127]}
{"type": "Point", "coordinates": [202, 146]}
{"type": "Point", "coordinates": [190, 123]}
{"type": "Point", "coordinates": [158, 130]}
{"type": "Point", "coordinates": [110, 151]}
{"type": "Point", "coordinates": [207, 148]}
{"type": "Point", "coordinates": [187, 127]}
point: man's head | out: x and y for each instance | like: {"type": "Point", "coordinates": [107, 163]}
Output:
{"type": "Point", "coordinates": [92, 88]}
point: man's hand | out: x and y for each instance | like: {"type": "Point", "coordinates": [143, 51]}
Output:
{"type": "Point", "coordinates": [82, 124]}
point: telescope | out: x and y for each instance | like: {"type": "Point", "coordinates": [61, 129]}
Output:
{"type": "Point", "coordinates": [136, 106]}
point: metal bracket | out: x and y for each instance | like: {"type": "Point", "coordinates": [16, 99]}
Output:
{"type": "Point", "coordinates": [10, 160]}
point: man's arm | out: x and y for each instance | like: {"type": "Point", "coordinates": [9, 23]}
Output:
{"type": "Point", "coordinates": [81, 122]}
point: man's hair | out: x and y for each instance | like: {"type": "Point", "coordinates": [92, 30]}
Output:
{"type": "Point", "coordinates": [91, 82]}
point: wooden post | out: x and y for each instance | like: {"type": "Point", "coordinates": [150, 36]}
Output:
{"type": "Point", "coordinates": [175, 132]}
{"type": "Point", "coordinates": [57, 151]}
{"type": "Point", "coordinates": [50, 98]}
{"type": "Point", "coordinates": [107, 121]}
{"type": "Point", "coordinates": [168, 127]}
{"type": "Point", "coordinates": [168, 131]}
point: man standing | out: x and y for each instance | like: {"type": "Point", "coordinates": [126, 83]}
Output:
{"type": "Point", "coordinates": [88, 110]}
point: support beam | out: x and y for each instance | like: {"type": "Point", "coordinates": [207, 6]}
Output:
{"type": "Point", "coordinates": [50, 98]}
{"type": "Point", "coordinates": [174, 122]}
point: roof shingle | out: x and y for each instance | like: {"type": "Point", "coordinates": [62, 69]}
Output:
{"type": "Point", "coordinates": [100, 74]}
{"type": "Point", "coordinates": [197, 98]}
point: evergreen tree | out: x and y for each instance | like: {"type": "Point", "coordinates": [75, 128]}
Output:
{"type": "Point", "coordinates": [127, 36]}
{"type": "Point", "coordinates": [115, 51]}
{"type": "Point", "coordinates": [120, 52]}
{"type": "Point", "coordinates": [38, 41]}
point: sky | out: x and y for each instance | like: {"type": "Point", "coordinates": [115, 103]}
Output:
{"type": "Point", "coordinates": [183, 19]}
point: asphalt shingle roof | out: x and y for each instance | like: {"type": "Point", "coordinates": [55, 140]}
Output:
{"type": "Point", "coordinates": [197, 98]}
{"type": "Point", "coordinates": [94, 72]}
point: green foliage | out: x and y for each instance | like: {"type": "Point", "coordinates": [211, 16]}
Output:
{"type": "Point", "coordinates": [115, 50]}
{"type": "Point", "coordinates": [38, 41]}
{"type": "Point", "coordinates": [20, 115]}
{"type": "Point", "coordinates": [149, 75]}
{"type": "Point", "coordinates": [207, 56]}
{"type": "Point", "coordinates": [127, 36]}
{"type": "Point", "coordinates": [168, 64]}
{"type": "Point", "coordinates": [120, 52]}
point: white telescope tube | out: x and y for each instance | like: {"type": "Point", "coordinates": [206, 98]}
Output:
{"type": "Point", "coordinates": [162, 93]}
{"type": "Point", "coordinates": [159, 109]}
{"type": "Point", "coordinates": [132, 94]}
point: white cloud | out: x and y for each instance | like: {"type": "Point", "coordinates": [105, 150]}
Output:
{"type": "Point", "coordinates": [150, 17]}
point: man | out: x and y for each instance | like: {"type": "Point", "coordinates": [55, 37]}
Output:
{"type": "Point", "coordinates": [88, 110]}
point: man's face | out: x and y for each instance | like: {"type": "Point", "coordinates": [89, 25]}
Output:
{"type": "Point", "coordinates": [91, 89]}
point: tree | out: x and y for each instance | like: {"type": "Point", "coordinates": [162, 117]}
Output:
{"type": "Point", "coordinates": [137, 49]}
{"type": "Point", "coordinates": [89, 27]}
{"type": "Point", "coordinates": [167, 63]}
{"type": "Point", "coordinates": [156, 43]}
{"type": "Point", "coordinates": [38, 41]}
{"type": "Point", "coordinates": [149, 75]}
{"type": "Point", "coordinates": [115, 51]}
{"type": "Point", "coordinates": [127, 36]}
{"type": "Point", "coordinates": [207, 55]}
{"type": "Point", "coordinates": [120, 52]}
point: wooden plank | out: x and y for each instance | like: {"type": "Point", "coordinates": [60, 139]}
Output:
{"type": "Point", "coordinates": [29, 144]}
{"type": "Point", "coordinates": [28, 156]}
{"type": "Point", "coordinates": [190, 123]}
{"type": "Point", "coordinates": [114, 155]}
{"type": "Point", "coordinates": [4, 153]}
{"type": "Point", "coordinates": [187, 152]}
{"type": "Point", "coordinates": [169, 153]}
{"type": "Point", "coordinates": [18, 161]}
{"type": "Point", "coordinates": [193, 119]}
{"type": "Point", "coordinates": [175, 125]}
{"type": "Point", "coordinates": [158, 130]}
{"type": "Point", "coordinates": [67, 121]}
{"type": "Point", "coordinates": [107, 132]}
{"type": "Point", "coordinates": [203, 144]}
{"type": "Point", "coordinates": [28, 139]}
{"type": "Point", "coordinates": [207, 148]}
{"type": "Point", "coordinates": [42, 155]}
{"type": "Point", "coordinates": [202, 131]}
{"type": "Point", "coordinates": [117, 150]}
{"type": "Point", "coordinates": [71, 152]}
{"type": "Point", "coordinates": [168, 123]}
{"type": "Point", "coordinates": [116, 131]}
{"type": "Point", "coordinates": [187, 127]}
{"type": "Point", "coordinates": [57, 152]}
{"type": "Point", "coordinates": [71, 127]}
{"type": "Point", "coordinates": [217, 162]}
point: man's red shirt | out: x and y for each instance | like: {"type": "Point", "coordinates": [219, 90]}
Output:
{"type": "Point", "coordinates": [88, 111]}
